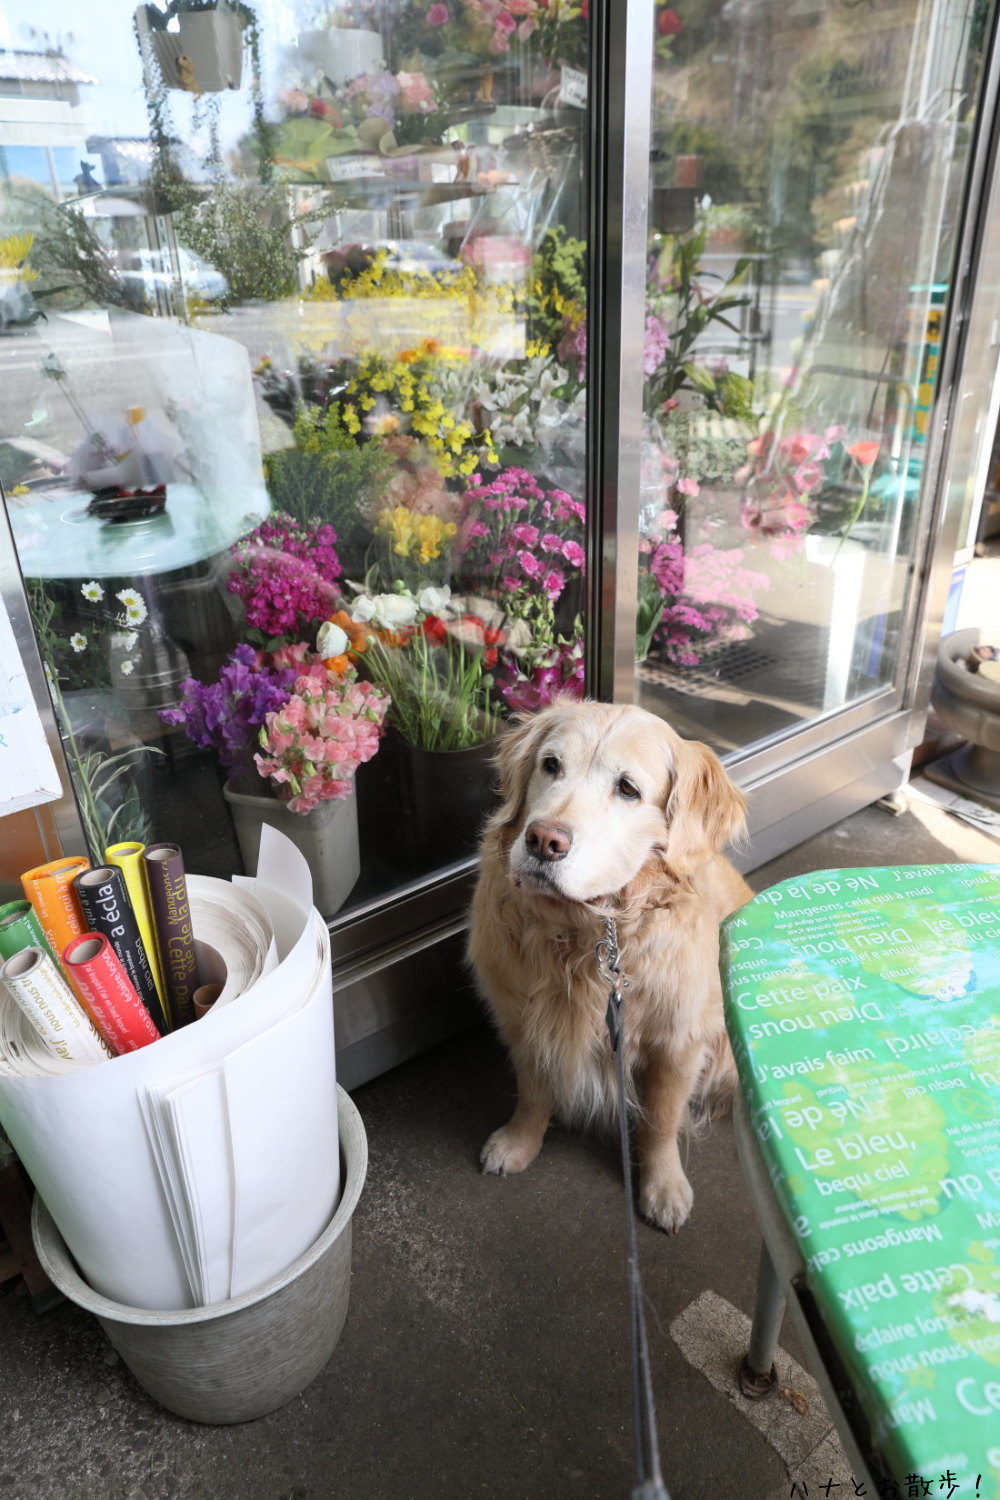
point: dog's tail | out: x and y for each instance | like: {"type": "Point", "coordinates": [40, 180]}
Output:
{"type": "Point", "coordinates": [713, 1097]}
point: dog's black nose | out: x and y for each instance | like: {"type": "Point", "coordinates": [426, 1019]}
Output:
{"type": "Point", "coordinates": [547, 840]}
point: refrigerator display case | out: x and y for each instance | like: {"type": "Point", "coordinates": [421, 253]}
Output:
{"type": "Point", "coordinates": [378, 370]}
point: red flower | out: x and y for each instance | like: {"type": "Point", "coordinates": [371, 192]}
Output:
{"type": "Point", "coordinates": [669, 23]}
{"type": "Point", "coordinates": [435, 629]}
{"type": "Point", "coordinates": [864, 454]}
{"type": "Point", "coordinates": [490, 657]}
{"type": "Point", "coordinates": [585, 10]}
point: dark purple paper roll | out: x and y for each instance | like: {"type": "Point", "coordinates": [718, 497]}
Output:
{"type": "Point", "coordinates": [108, 910]}
{"type": "Point", "coordinates": [172, 914]}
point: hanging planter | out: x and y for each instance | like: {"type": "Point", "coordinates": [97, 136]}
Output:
{"type": "Point", "coordinates": [205, 55]}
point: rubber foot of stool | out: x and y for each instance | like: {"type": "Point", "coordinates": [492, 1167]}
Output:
{"type": "Point", "coordinates": [755, 1386]}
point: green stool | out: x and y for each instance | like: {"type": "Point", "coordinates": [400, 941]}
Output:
{"type": "Point", "coordinates": [864, 1012]}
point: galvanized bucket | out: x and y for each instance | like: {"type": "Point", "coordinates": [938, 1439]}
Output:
{"type": "Point", "coordinates": [235, 1360]}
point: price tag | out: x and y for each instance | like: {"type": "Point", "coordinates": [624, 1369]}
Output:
{"type": "Point", "coordinates": [572, 88]}
{"type": "Point", "coordinates": [350, 168]}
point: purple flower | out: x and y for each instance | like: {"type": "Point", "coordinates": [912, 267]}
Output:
{"type": "Point", "coordinates": [226, 715]}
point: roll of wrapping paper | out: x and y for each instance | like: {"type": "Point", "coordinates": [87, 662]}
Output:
{"type": "Point", "coordinates": [37, 986]}
{"type": "Point", "coordinates": [49, 888]}
{"type": "Point", "coordinates": [127, 857]}
{"type": "Point", "coordinates": [20, 928]}
{"type": "Point", "coordinates": [103, 897]}
{"type": "Point", "coordinates": [107, 994]}
{"type": "Point", "coordinates": [172, 912]}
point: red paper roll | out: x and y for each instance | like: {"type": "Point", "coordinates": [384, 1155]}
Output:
{"type": "Point", "coordinates": [107, 994]}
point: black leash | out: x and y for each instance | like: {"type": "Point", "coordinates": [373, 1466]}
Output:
{"type": "Point", "coordinates": [650, 1486]}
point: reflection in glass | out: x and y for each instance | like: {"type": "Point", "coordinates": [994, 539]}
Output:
{"type": "Point", "coordinates": [292, 417]}
{"type": "Point", "coordinates": [805, 178]}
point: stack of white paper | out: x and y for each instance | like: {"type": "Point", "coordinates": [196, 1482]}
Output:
{"type": "Point", "coordinates": [194, 1169]}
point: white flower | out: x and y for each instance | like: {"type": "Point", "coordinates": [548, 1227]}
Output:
{"type": "Point", "coordinates": [432, 601]}
{"type": "Point", "coordinates": [78, 642]}
{"type": "Point", "coordinates": [135, 605]}
{"type": "Point", "coordinates": [92, 591]}
{"type": "Point", "coordinates": [386, 611]}
{"type": "Point", "coordinates": [128, 667]}
{"type": "Point", "coordinates": [129, 639]}
{"type": "Point", "coordinates": [331, 640]}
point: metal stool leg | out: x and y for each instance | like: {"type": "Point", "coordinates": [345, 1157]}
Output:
{"type": "Point", "coordinates": [758, 1377]}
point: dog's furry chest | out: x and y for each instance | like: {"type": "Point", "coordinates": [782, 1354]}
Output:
{"type": "Point", "coordinates": [559, 1015]}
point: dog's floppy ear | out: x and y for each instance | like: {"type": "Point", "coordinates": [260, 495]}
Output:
{"type": "Point", "coordinates": [515, 761]}
{"type": "Point", "coordinates": [705, 811]}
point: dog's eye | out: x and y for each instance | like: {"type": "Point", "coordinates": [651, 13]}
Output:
{"type": "Point", "coordinates": [550, 764]}
{"type": "Point", "coordinates": [627, 789]}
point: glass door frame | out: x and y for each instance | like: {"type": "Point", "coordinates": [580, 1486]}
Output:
{"type": "Point", "coordinates": [843, 759]}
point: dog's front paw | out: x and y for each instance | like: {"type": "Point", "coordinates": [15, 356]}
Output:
{"type": "Point", "coordinates": [666, 1201]}
{"type": "Point", "coordinates": [509, 1150]}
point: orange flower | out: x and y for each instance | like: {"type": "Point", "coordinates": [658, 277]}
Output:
{"type": "Point", "coordinates": [864, 454]}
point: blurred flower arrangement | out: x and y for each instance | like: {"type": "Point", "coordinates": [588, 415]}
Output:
{"type": "Point", "coordinates": [108, 634]}
{"type": "Point", "coordinates": [376, 397]}
{"type": "Point", "coordinates": [694, 597]}
{"type": "Point", "coordinates": [505, 21]}
{"type": "Point", "coordinates": [564, 32]}
{"type": "Point", "coordinates": [523, 545]}
{"type": "Point", "coordinates": [376, 112]}
{"type": "Point", "coordinates": [285, 574]}
{"type": "Point", "coordinates": [304, 727]}
{"type": "Point", "coordinates": [785, 477]}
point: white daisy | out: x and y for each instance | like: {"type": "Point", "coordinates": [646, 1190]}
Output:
{"type": "Point", "coordinates": [128, 668]}
{"type": "Point", "coordinates": [92, 591]}
{"type": "Point", "coordinates": [135, 605]}
{"type": "Point", "coordinates": [78, 642]}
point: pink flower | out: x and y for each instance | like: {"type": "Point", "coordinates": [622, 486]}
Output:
{"type": "Point", "coordinates": [574, 554]}
{"type": "Point", "coordinates": [415, 92]}
{"type": "Point", "coordinates": [551, 542]}
{"type": "Point", "coordinates": [553, 583]}
{"type": "Point", "coordinates": [689, 487]}
{"type": "Point", "coordinates": [526, 533]}
{"type": "Point", "coordinates": [530, 564]}
{"type": "Point", "coordinates": [438, 15]}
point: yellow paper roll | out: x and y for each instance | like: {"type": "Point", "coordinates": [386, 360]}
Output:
{"type": "Point", "coordinates": [128, 858]}
{"type": "Point", "coordinates": [49, 889]}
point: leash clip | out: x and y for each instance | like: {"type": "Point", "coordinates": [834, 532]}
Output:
{"type": "Point", "coordinates": [607, 954]}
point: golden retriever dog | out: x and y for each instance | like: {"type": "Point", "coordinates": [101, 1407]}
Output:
{"type": "Point", "coordinates": [607, 811]}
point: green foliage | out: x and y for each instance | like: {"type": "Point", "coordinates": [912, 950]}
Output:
{"type": "Point", "coordinates": [73, 264]}
{"type": "Point", "coordinates": [326, 476]}
{"type": "Point", "coordinates": [558, 285]}
{"type": "Point", "coordinates": [244, 232]}
{"type": "Point", "coordinates": [683, 294]}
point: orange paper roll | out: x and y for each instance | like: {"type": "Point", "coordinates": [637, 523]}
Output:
{"type": "Point", "coordinates": [107, 994]}
{"type": "Point", "coordinates": [128, 858]}
{"type": "Point", "coordinates": [50, 890]}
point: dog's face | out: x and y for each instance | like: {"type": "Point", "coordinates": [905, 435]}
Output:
{"type": "Point", "coordinates": [595, 793]}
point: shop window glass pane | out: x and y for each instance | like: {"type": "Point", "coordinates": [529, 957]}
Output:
{"type": "Point", "coordinates": [293, 423]}
{"type": "Point", "coordinates": [805, 183]}
{"type": "Point", "coordinates": [30, 162]}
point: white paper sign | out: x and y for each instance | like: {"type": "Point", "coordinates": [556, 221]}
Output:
{"type": "Point", "coordinates": [572, 87]}
{"type": "Point", "coordinates": [28, 773]}
{"type": "Point", "coordinates": [350, 168]}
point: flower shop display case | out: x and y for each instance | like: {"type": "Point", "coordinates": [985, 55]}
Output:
{"type": "Point", "coordinates": [527, 351]}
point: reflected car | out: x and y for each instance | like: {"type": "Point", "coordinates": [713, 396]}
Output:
{"type": "Point", "coordinates": [150, 270]}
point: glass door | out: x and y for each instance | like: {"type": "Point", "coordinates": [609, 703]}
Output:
{"type": "Point", "coordinates": [806, 178]}
{"type": "Point", "coordinates": [292, 416]}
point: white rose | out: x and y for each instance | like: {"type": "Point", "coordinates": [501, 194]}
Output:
{"type": "Point", "coordinates": [387, 611]}
{"type": "Point", "coordinates": [432, 601]}
{"type": "Point", "coordinates": [331, 640]}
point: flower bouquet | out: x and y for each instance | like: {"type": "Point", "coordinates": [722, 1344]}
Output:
{"type": "Point", "coordinates": [291, 728]}
{"type": "Point", "coordinates": [435, 660]}
{"type": "Point", "coordinates": [285, 575]}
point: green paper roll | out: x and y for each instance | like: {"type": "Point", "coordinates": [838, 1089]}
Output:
{"type": "Point", "coordinates": [20, 928]}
